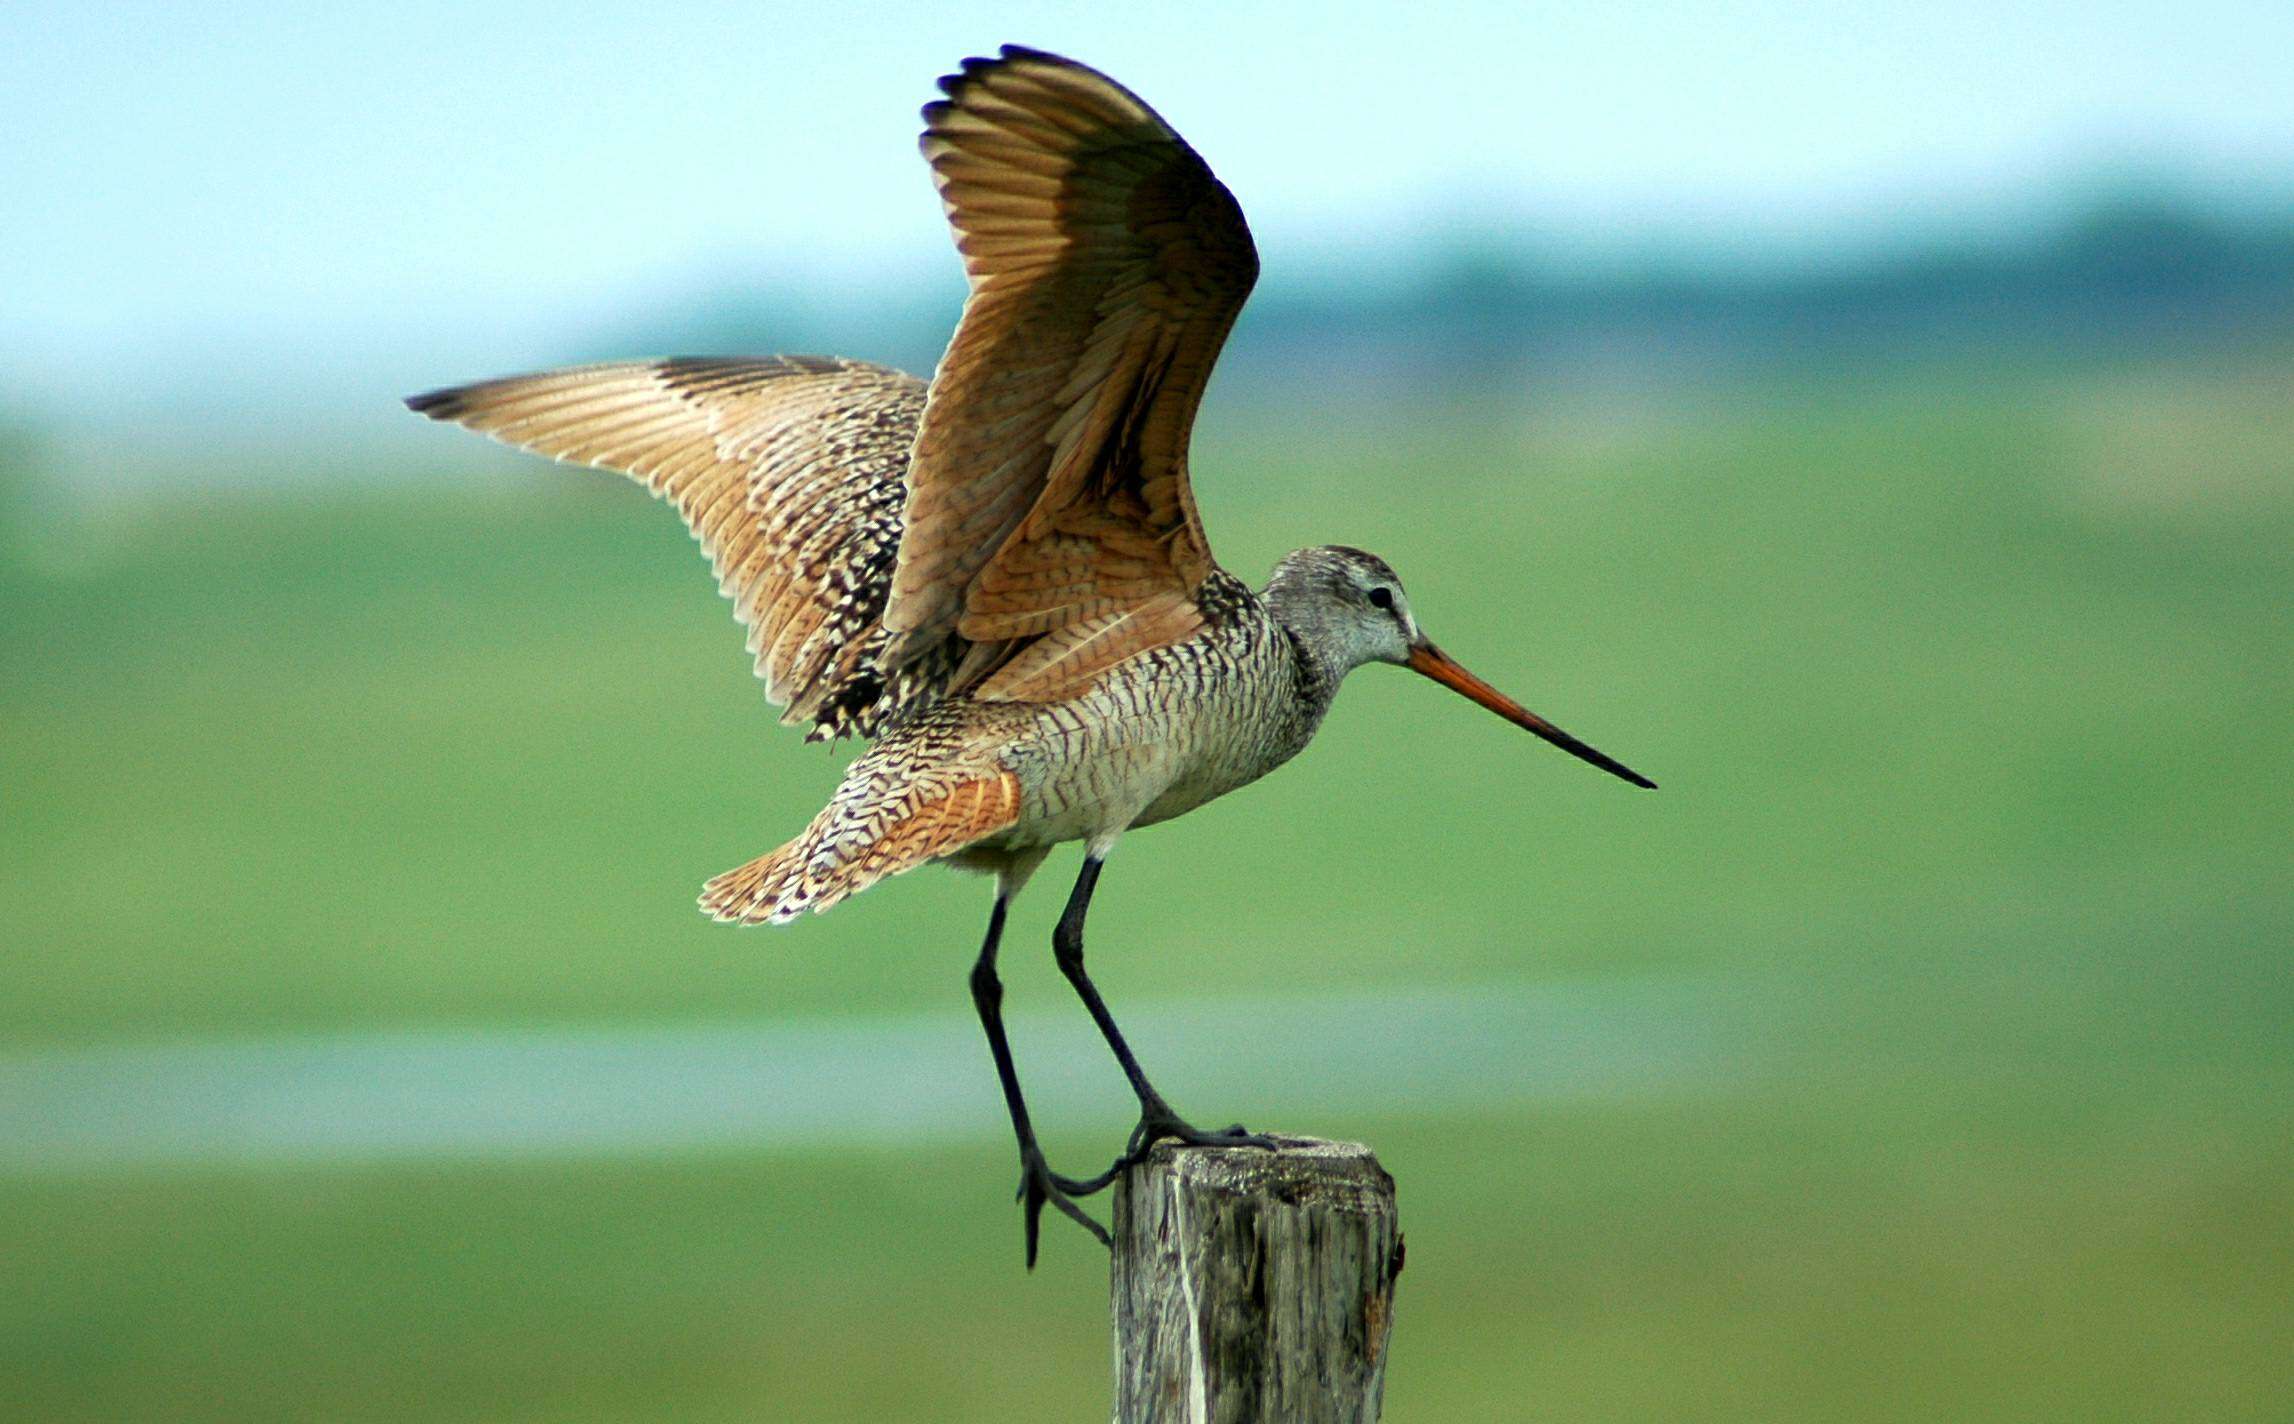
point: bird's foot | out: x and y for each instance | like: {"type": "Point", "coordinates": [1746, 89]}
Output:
{"type": "Point", "coordinates": [1156, 1122]}
{"type": "Point", "coordinates": [1160, 1122]}
{"type": "Point", "coordinates": [1040, 1184]}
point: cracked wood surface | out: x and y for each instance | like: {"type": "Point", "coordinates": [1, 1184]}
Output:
{"type": "Point", "coordinates": [1253, 1285]}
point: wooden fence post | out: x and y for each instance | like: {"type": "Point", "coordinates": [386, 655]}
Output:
{"type": "Point", "coordinates": [1254, 1286]}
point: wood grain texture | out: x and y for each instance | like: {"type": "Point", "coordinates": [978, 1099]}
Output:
{"type": "Point", "coordinates": [1254, 1286]}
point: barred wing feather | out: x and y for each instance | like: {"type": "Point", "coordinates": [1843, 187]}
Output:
{"type": "Point", "coordinates": [790, 471]}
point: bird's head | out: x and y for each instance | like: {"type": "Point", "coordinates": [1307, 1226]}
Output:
{"type": "Point", "coordinates": [1349, 608]}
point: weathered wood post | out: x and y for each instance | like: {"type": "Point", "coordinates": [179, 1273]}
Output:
{"type": "Point", "coordinates": [1254, 1286]}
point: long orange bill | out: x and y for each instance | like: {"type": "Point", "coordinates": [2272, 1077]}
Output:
{"type": "Point", "coordinates": [1442, 668]}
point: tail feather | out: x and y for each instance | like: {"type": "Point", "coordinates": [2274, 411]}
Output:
{"type": "Point", "coordinates": [848, 848]}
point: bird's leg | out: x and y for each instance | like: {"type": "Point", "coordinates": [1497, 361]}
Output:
{"type": "Point", "coordinates": [1157, 1120]}
{"type": "Point", "coordinates": [1038, 1183]}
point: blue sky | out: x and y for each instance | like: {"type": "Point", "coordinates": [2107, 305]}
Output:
{"type": "Point", "coordinates": [256, 182]}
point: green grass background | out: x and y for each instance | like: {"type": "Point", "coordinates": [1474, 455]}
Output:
{"type": "Point", "coordinates": [1967, 686]}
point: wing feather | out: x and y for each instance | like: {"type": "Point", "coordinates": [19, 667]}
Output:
{"type": "Point", "coordinates": [1048, 490]}
{"type": "Point", "coordinates": [1029, 520]}
{"type": "Point", "coordinates": [789, 471]}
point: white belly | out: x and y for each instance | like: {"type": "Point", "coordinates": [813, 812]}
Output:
{"type": "Point", "coordinates": [1094, 771]}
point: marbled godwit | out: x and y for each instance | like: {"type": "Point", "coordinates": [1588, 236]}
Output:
{"type": "Point", "coordinates": [1000, 576]}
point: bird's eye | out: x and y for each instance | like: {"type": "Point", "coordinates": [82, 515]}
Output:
{"type": "Point", "coordinates": [1381, 598]}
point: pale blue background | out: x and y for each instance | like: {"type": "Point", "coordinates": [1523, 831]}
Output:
{"type": "Point", "coordinates": [226, 209]}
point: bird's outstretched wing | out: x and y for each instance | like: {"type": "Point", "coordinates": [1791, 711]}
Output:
{"type": "Point", "coordinates": [788, 470]}
{"type": "Point", "coordinates": [1048, 500]}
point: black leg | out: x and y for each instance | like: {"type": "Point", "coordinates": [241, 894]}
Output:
{"type": "Point", "coordinates": [1156, 1118]}
{"type": "Point", "coordinates": [1038, 1183]}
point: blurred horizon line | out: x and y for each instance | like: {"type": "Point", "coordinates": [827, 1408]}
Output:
{"type": "Point", "coordinates": [2137, 262]}
{"type": "Point", "coordinates": [521, 1089]}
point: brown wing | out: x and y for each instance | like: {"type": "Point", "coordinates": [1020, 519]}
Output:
{"type": "Point", "coordinates": [1048, 489]}
{"type": "Point", "coordinates": [790, 471]}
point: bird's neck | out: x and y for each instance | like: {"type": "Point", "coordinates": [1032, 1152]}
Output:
{"type": "Point", "coordinates": [1318, 667]}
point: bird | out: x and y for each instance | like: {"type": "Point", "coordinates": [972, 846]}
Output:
{"type": "Point", "coordinates": [998, 577]}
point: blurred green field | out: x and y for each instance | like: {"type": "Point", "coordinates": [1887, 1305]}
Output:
{"type": "Point", "coordinates": [1966, 686]}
